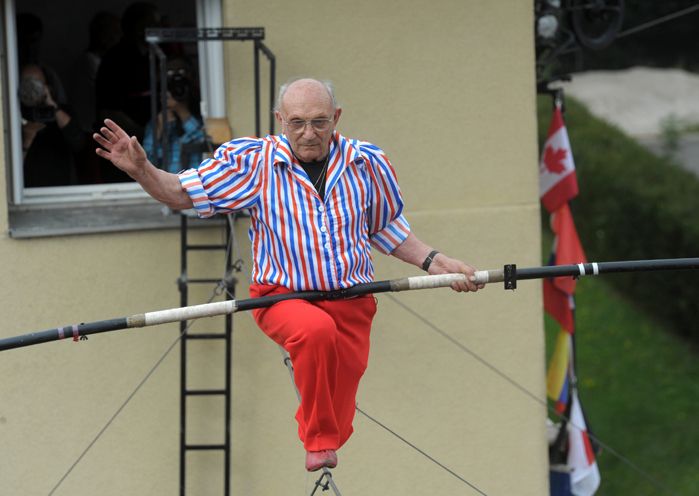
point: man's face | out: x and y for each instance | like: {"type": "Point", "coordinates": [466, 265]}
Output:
{"type": "Point", "coordinates": [308, 100]}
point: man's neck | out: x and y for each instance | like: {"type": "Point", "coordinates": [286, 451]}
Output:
{"type": "Point", "coordinates": [312, 163]}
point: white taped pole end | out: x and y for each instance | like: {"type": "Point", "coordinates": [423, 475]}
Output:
{"type": "Point", "coordinates": [481, 277]}
{"type": "Point", "coordinates": [190, 313]}
{"type": "Point", "coordinates": [435, 281]}
{"type": "Point", "coordinates": [487, 276]}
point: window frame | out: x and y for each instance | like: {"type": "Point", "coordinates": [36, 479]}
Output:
{"type": "Point", "coordinates": [211, 73]}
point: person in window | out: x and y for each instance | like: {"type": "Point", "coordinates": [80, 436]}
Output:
{"type": "Point", "coordinates": [122, 87]}
{"type": "Point", "coordinates": [30, 34]}
{"type": "Point", "coordinates": [123, 78]}
{"type": "Point", "coordinates": [183, 128]}
{"type": "Point", "coordinates": [104, 32]}
{"type": "Point", "coordinates": [51, 138]}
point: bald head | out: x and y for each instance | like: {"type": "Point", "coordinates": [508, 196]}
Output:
{"type": "Point", "coordinates": [307, 111]}
{"type": "Point", "coordinates": [306, 86]}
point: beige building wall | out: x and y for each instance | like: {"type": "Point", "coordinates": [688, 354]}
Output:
{"type": "Point", "coordinates": [446, 88]}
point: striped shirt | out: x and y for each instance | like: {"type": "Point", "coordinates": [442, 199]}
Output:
{"type": "Point", "coordinates": [299, 240]}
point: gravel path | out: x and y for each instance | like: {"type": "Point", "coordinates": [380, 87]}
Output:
{"type": "Point", "coordinates": [639, 99]}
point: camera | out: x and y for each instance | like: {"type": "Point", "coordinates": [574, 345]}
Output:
{"type": "Point", "coordinates": [32, 99]}
{"type": "Point", "coordinates": [178, 86]}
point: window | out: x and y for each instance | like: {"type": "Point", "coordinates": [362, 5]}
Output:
{"type": "Point", "coordinates": [51, 164]}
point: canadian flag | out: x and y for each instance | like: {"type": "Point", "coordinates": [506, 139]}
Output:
{"type": "Point", "coordinates": [558, 184]}
{"type": "Point", "coordinates": [557, 180]}
{"type": "Point", "coordinates": [585, 477]}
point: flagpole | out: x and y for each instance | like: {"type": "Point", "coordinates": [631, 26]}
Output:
{"type": "Point", "coordinates": [558, 187]}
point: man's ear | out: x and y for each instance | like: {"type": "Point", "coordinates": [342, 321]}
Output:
{"type": "Point", "coordinates": [278, 116]}
{"type": "Point", "coordinates": [336, 117]}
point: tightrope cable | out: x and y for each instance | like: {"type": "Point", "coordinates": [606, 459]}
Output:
{"type": "Point", "coordinates": [116, 414]}
{"type": "Point", "coordinates": [509, 275]}
{"type": "Point", "coordinates": [326, 474]}
{"type": "Point", "coordinates": [218, 290]}
{"type": "Point", "coordinates": [289, 365]}
{"type": "Point", "coordinates": [659, 20]}
{"type": "Point", "coordinates": [524, 390]}
{"type": "Point", "coordinates": [422, 452]}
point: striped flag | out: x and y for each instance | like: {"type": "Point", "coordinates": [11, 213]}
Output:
{"type": "Point", "coordinates": [567, 249]}
{"type": "Point", "coordinates": [585, 477]}
{"type": "Point", "coordinates": [558, 377]}
{"type": "Point", "coordinates": [558, 185]}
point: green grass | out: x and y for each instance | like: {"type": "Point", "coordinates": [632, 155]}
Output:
{"type": "Point", "coordinates": [634, 205]}
{"type": "Point", "coordinates": [637, 363]}
{"type": "Point", "coordinates": [639, 386]}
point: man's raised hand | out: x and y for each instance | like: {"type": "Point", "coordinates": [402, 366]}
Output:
{"type": "Point", "coordinates": [122, 150]}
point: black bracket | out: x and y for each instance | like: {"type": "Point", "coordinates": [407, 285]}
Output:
{"type": "Point", "coordinates": [324, 486]}
{"type": "Point", "coordinates": [510, 273]}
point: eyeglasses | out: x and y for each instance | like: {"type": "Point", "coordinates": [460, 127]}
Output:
{"type": "Point", "coordinates": [299, 125]}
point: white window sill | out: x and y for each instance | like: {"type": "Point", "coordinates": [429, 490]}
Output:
{"type": "Point", "coordinates": [88, 218]}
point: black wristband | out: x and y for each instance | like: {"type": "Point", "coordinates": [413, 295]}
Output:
{"type": "Point", "coordinates": [428, 261]}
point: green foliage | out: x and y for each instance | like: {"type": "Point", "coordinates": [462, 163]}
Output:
{"type": "Point", "coordinates": [639, 386]}
{"type": "Point", "coordinates": [670, 132]}
{"type": "Point", "coordinates": [638, 381]}
{"type": "Point", "coordinates": [634, 205]}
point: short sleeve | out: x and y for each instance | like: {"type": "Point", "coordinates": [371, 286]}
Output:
{"type": "Point", "coordinates": [229, 181]}
{"type": "Point", "coordinates": [388, 228]}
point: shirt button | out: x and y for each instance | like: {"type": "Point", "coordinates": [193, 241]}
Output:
{"type": "Point", "coordinates": [321, 208]}
{"type": "Point", "coordinates": [327, 246]}
{"type": "Point", "coordinates": [322, 229]}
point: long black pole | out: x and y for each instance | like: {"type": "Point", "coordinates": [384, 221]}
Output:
{"type": "Point", "coordinates": [78, 331]}
{"type": "Point", "coordinates": [509, 274]}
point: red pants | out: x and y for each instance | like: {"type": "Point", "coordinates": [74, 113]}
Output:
{"type": "Point", "coordinates": [328, 342]}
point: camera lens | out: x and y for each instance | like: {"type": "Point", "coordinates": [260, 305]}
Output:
{"type": "Point", "coordinates": [32, 99]}
{"type": "Point", "coordinates": [32, 92]}
{"type": "Point", "coordinates": [178, 86]}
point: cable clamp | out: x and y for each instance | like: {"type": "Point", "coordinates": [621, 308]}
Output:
{"type": "Point", "coordinates": [510, 276]}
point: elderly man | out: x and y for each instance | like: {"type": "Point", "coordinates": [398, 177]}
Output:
{"type": "Point", "coordinates": [318, 201]}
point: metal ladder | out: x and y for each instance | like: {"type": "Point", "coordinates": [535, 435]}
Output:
{"type": "Point", "coordinates": [225, 337]}
{"type": "Point", "coordinates": [157, 61]}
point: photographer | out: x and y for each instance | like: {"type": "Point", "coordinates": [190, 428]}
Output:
{"type": "Point", "coordinates": [50, 137]}
{"type": "Point", "coordinates": [185, 133]}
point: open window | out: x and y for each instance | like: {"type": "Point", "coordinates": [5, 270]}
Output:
{"type": "Point", "coordinates": [69, 64]}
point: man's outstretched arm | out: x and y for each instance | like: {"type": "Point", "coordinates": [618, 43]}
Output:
{"type": "Point", "coordinates": [127, 154]}
{"type": "Point", "coordinates": [414, 251]}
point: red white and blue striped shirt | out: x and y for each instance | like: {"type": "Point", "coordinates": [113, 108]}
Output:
{"type": "Point", "coordinates": [299, 240]}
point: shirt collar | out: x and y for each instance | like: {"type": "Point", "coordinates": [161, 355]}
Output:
{"type": "Point", "coordinates": [284, 156]}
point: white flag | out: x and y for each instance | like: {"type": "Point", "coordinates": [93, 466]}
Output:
{"type": "Point", "coordinates": [585, 476]}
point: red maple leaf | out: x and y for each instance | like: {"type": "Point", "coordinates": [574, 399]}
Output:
{"type": "Point", "coordinates": [554, 159]}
